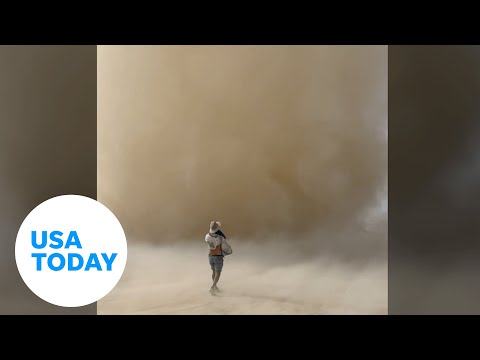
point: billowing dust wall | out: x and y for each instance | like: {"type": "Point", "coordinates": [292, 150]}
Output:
{"type": "Point", "coordinates": [271, 140]}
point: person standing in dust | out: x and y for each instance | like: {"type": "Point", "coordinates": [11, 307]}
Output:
{"type": "Point", "coordinates": [215, 255]}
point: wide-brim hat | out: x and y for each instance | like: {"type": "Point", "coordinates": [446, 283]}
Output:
{"type": "Point", "coordinates": [215, 226]}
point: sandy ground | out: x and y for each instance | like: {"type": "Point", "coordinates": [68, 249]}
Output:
{"type": "Point", "coordinates": [176, 280]}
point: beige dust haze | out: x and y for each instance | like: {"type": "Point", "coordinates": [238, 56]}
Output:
{"type": "Point", "coordinates": [264, 138]}
{"type": "Point", "coordinates": [285, 145]}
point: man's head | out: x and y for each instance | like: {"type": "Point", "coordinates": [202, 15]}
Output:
{"type": "Point", "coordinates": [214, 226]}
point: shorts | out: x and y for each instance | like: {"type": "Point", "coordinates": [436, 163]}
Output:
{"type": "Point", "coordinates": [216, 262]}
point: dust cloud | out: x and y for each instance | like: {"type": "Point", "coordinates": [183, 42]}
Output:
{"type": "Point", "coordinates": [285, 145]}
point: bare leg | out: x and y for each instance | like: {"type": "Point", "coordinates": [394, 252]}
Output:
{"type": "Point", "coordinates": [216, 278]}
{"type": "Point", "coordinates": [212, 289]}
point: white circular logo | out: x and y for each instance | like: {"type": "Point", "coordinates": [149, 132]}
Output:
{"type": "Point", "coordinates": [71, 250]}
